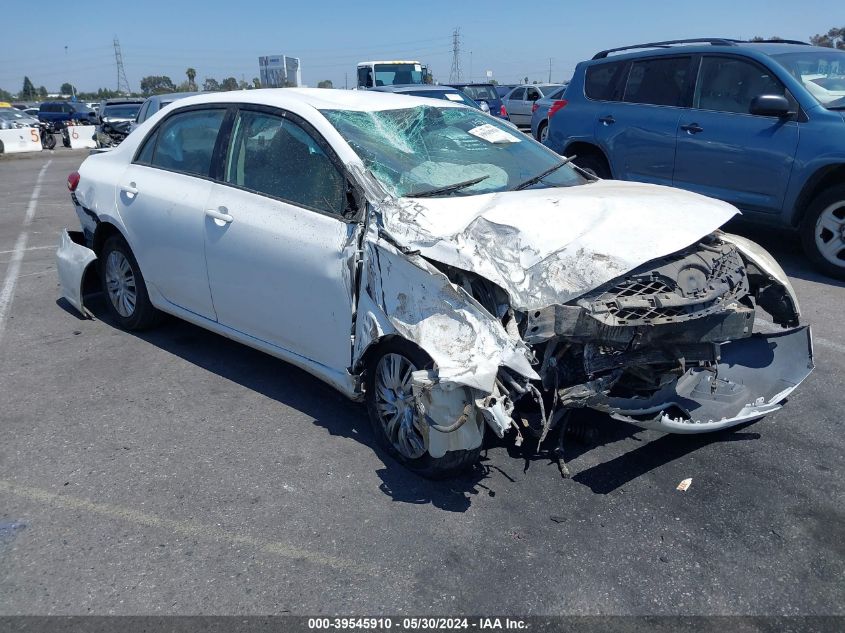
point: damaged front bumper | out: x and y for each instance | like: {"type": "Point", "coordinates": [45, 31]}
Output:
{"type": "Point", "coordinates": [74, 264]}
{"type": "Point", "coordinates": [752, 378]}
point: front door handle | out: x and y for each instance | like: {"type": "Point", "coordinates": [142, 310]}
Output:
{"type": "Point", "coordinates": [220, 216]}
{"type": "Point", "coordinates": [131, 189]}
{"type": "Point", "coordinates": [607, 120]}
{"type": "Point", "coordinates": [692, 128]}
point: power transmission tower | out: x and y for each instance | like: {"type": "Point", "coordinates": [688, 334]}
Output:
{"type": "Point", "coordinates": [455, 72]}
{"type": "Point", "coordinates": [122, 81]}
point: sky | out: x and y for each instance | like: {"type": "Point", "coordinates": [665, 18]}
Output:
{"type": "Point", "coordinates": [512, 39]}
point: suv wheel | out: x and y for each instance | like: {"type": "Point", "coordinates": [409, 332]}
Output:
{"type": "Point", "coordinates": [594, 164]}
{"type": "Point", "coordinates": [823, 232]}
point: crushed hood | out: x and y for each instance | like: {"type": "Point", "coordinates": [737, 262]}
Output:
{"type": "Point", "coordinates": [547, 246]}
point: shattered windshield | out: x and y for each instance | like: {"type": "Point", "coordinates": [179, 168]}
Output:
{"type": "Point", "coordinates": [822, 73]}
{"type": "Point", "coordinates": [426, 148]}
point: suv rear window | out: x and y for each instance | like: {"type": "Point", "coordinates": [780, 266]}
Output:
{"type": "Point", "coordinates": [601, 81]}
{"type": "Point", "coordinates": [658, 81]}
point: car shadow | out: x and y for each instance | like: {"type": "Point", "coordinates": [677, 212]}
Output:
{"type": "Point", "coordinates": [297, 389]}
{"type": "Point", "coordinates": [590, 430]}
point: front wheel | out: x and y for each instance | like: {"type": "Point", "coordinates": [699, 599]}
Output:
{"type": "Point", "coordinates": [823, 232]}
{"type": "Point", "coordinates": [126, 292]}
{"type": "Point", "coordinates": [49, 141]}
{"type": "Point", "coordinates": [392, 411]}
{"type": "Point", "coordinates": [593, 164]}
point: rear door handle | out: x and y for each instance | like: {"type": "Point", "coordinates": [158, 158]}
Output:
{"type": "Point", "coordinates": [607, 120]}
{"type": "Point", "coordinates": [219, 215]}
{"type": "Point", "coordinates": [131, 189]}
{"type": "Point", "coordinates": [692, 128]}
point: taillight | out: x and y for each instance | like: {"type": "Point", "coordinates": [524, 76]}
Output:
{"type": "Point", "coordinates": [558, 104]}
{"type": "Point", "coordinates": [503, 112]}
{"type": "Point", "coordinates": [534, 107]}
{"type": "Point", "coordinates": [73, 181]}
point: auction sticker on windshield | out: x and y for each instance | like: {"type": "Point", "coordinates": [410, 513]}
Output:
{"type": "Point", "coordinates": [492, 134]}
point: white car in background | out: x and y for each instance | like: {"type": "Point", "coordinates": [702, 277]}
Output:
{"type": "Point", "coordinates": [429, 259]}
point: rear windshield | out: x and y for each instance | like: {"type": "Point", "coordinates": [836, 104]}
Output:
{"type": "Point", "coordinates": [122, 111]}
{"type": "Point", "coordinates": [80, 107]}
{"type": "Point", "coordinates": [480, 93]}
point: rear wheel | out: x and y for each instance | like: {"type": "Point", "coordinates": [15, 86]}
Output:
{"type": "Point", "coordinates": [126, 292]}
{"type": "Point", "coordinates": [392, 412]}
{"type": "Point", "coordinates": [594, 164]}
{"type": "Point", "coordinates": [543, 131]}
{"type": "Point", "coordinates": [49, 140]}
{"type": "Point", "coordinates": [823, 232]}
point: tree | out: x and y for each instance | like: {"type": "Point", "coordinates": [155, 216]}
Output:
{"type": "Point", "coordinates": [157, 84]}
{"type": "Point", "coordinates": [326, 83]}
{"type": "Point", "coordinates": [525, 80]}
{"type": "Point", "coordinates": [773, 38]}
{"type": "Point", "coordinates": [230, 83]}
{"type": "Point", "coordinates": [67, 89]}
{"type": "Point", "coordinates": [834, 38]}
{"type": "Point", "coordinates": [243, 85]}
{"type": "Point", "coordinates": [210, 84]}
{"type": "Point", "coordinates": [256, 82]}
{"type": "Point", "coordinates": [5, 96]}
{"type": "Point", "coordinates": [28, 92]}
{"type": "Point", "coordinates": [42, 92]}
{"type": "Point", "coordinates": [191, 74]}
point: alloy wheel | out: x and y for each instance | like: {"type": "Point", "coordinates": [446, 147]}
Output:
{"type": "Point", "coordinates": [830, 233]}
{"type": "Point", "coordinates": [394, 402]}
{"type": "Point", "coordinates": [120, 284]}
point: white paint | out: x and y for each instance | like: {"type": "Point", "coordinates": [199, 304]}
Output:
{"type": "Point", "coordinates": [19, 140]}
{"type": "Point", "coordinates": [82, 136]}
{"type": "Point", "coordinates": [7, 293]}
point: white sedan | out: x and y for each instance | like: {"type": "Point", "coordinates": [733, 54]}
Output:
{"type": "Point", "coordinates": [427, 258]}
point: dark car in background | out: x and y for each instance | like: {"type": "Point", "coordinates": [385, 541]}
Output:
{"type": "Point", "coordinates": [117, 101]}
{"type": "Point", "coordinates": [446, 93]}
{"type": "Point", "coordinates": [59, 113]}
{"type": "Point", "coordinates": [484, 93]}
{"type": "Point", "coordinates": [116, 119]}
{"type": "Point", "coordinates": [542, 109]}
{"type": "Point", "coordinates": [760, 125]}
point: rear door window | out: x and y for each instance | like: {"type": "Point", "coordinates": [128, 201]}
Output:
{"type": "Point", "coordinates": [186, 141]}
{"type": "Point", "coordinates": [657, 81]}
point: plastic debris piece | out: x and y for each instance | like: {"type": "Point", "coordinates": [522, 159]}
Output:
{"type": "Point", "coordinates": [686, 483]}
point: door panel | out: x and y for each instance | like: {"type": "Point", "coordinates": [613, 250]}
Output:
{"type": "Point", "coordinates": [281, 273]}
{"type": "Point", "coordinates": [165, 220]}
{"type": "Point", "coordinates": [725, 152]}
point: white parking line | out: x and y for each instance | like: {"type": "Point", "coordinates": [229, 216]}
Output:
{"type": "Point", "coordinates": [31, 248]}
{"type": "Point", "coordinates": [7, 293]}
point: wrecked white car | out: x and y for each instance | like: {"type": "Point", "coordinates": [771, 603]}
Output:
{"type": "Point", "coordinates": [433, 261]}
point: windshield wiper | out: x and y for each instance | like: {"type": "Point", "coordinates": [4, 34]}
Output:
{"type": "Point", "coordinates": [447, 189]}
{"type": "Point", "coordinates": [538, 178]}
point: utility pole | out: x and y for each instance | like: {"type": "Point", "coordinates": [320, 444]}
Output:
{"type": "Point", "coordinates": [346, 81]}
{"type": "Point", "coordinates": [550, 70]}
{"type": "Point", "coordinates": [122, 82]}
{"type": "Point", "coordinates": [470, 66]}
{"type": "Point", "coordinates": [455, 72]}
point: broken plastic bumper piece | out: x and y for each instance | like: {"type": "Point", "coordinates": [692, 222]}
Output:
{"type": "Point", "coordinates": [72, 261]}
{"type": "Point", "coordinates": [752, 378]}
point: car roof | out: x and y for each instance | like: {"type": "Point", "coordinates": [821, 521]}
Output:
{"type": "Point", "coordinates": [415, 88]}
{"type": "Point", "coordinates": [705, 45]}
{"type": "Point", "coordinates": [173, 96]}
{"type": "Point", "coordinates": [317, 98]}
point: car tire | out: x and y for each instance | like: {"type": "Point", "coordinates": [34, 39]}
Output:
{"type": "Point", "coordinates": [123, 284]}
{"type": "Point", "coordinates": [823, 232]}
{"type": "Point", "coordinates": [543, 131]}
{"type": "Point", "coordinates": [594, 164]}
{"type": "Point", "coordinates": [410, 449]}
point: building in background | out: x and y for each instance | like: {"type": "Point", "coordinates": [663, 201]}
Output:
{"type": "Point", "coordinates": [278, 71]}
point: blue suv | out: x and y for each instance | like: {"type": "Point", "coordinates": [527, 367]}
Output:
{"type": "Point", "coordinates": [758, 124]}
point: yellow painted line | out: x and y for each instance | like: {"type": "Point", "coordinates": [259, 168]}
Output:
{"type": "Point", "coordinates": [183, 528]}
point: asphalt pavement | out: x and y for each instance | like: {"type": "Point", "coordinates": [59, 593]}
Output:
{"type": "Point", "coordinates": [177, 472]}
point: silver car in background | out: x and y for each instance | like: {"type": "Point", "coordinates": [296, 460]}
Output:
{"type": "Point", "coordinates": [519, 101]}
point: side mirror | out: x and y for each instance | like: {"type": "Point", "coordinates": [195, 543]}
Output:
{"type": "Point", "coordinates": [770, 105]}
